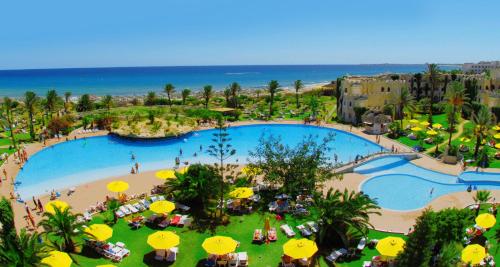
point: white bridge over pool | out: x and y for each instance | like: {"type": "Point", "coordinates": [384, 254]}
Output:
{"type": "Point", "coordinates": [349, 166]}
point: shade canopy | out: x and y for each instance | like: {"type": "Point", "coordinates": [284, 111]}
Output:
{"type": "Point", "coordinates": [496, 128]}
{"type": "Point", "coordinates": [416, 129]}
{"type": "Point", "coordinates": [413, 121]}
{"type": "Point", "coordinates": [437, 126]}
{"type": "Point", "coordinates": [165, 174]}
{"type": "Point", "coordinates": [473, 254]}
{"type": "Point", "coordinates": [486, 220]}
{"type": "Point", "coordinates": [241, 192]}
{"type": "Point", "coordinates": [57, 259]}
{"type": "Point", "coordinates": [425, 123]}
{"type": "Point", "coordinates": [117, 186]}
{"type": "Point", "coordinates": [431, 132]}
{"type": "Point", "coordinates": [163, 240]}
{"type": "Point", "coordinates": [162, 206]}
{"type": "Point", "coordinates": [464, 139]}
{"type": "Point", "coordinates": [300, 248]}
{"type": "Point", "coordinates": [183, 170]}
{"type": "Point", "coordinates": [497, 146]}
{"type": "Point", "coordinates": [52, 205]}
{"type": "Point", "coordinates": [99, 232]}
{"type": "Point", "coordinates": [219, 245]}
{"type": "Point", "coordinates": [390, 246]}
{"type": "Point", "coordinates": [497, 136]}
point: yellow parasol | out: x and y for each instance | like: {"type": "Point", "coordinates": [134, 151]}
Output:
{"type": "Point", "coordinates": [473, 254]}
{"type": "Point", "coordinates": [251, 171]}
{"type": "Point", "coordinates": [416, 129]}
{"type": "Point", "coordinates": [496, 128]}
{"type": "Point", "coordinates": [486, 220]}
{"type": "Point", "coordinates": [183, 170]}
{"type": "Point", "coordinates": [437, 126]}
{"type": "Point", "coordinates": [425, 123]}
{"type": "Point", "coordinates": [390, 246]}
{"type": "Point", "coordinates": [57, 259]}
{"type": "Point", "coordinates": [99, 232]}
{"type": "Point", "coordinates": [464, 139]}
{"type": "Point", "coordinates": [241, 192]}
{"type": "Point", "coordinates": [300, 248]}
{"type": "Point", "coordinates": [162, 206]}
{"type": "Point", "coordinates": [165, 174]}
{"type": "Point", "coordinates": [51, 205]}
{"type": "Point", "coordinates": [219, 245]}
{"type": "Point", "coordinates": [497, 136]}
{"type": "Point", "coordinates": [431, 132]}
{"type": "Point", "coordinates": [497, 146]}
{"type": "Point", "coordinates": [413, 121]}
{"type": "Point", "coordinates": [117, 186]}
{"type": "Point", "coordinates": [163, 240]}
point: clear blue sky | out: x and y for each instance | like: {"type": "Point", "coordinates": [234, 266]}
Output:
{"type": "Point", "coordinates": [62, 33]}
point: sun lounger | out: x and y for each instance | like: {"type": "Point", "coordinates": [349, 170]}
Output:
{"type": "Point", "coordinates": [361, 244]}
{"type": "Point", "coordinates": [258, 236]}
{"type": "Point", "coordinates": [161, 198]}
{"type": "Point", "coordinates": [172, 254]}
{"type": "Point", "coordinates": [131, 208]}
{"type": "Point", "coordinates": [304, 231]}
{"type": "Point", "coordinates": [164, 223]}
{"type": "Point", "coordinates": [154, 198]}
{"type": "Point", "coordinates": [176, 219]}
{"type": "Point", "coordinates": [144, 203]}
{"type": "Point", "coordinates": [184, 208]}
{"type": "Point", "coordinates": [183, 221]}
{"type": "Point", "coordinates": [271, 234]}
{"type": "Point", "coordinates": [139, 206]}
{"type": "Point", "coordinates": [312, 226]}
{"type": "Point", "coordinates": [125, 210]}
{"type": "Point", "coordinates": [335, 255]}
{"type": "Point", "coordinates": [367, 264]}
{"type": "Point", "coordinates": [120, 214]}
{"type": "Point", "coordinates": [288, 230]}
{"type": "Point", "coordinates": [242, 259]}
{"type": "Point", "coordinates": [86, 216]}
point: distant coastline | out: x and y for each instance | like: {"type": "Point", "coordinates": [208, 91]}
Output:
{"type": "Point", "coordinates": [138, 81]}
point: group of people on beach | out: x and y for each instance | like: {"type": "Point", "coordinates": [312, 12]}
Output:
{"type": "Point", "coordinates": [135, 168]}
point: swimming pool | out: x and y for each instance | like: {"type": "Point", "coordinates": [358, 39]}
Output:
{"type": "Point", "coordinates": [79, 161]}
{"type": "Point", "coordinates": [398, 184]}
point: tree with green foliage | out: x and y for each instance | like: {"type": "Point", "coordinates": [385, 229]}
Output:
{"type": "Point", "coordinates": [222, 150]}
{"type": "Point", "coordinates": [30, 102]}
{"type": "Point", "coordinates": [314, 106]}
{"type": "Point", "coordinates": [420, 243]}
{"type": "Point", "coordinates": [62, 228]}
{"type": "Point", "coordinates": [185, 94]}
{"type": "Point", "coordinates": [227, 96]}
{"type": "Point", "coordinates": [67, 103]}
{"type": "Point", "coordinates": [169, 89]}
{"type": "Point", "coordinates": [298, 85]}
{"type": "Point", "coordinates": [150, 99]}
{"type": "Point", "coordinates": [450, 255]}
{"type": "Point", "coordinates": [113, 205]}
{"type": "Point", "coordinates": [482, 122]}
{"type": "Point", "coordinates": [456, 100]}
{"type": "Point", "coordinates": [433, 77]}
{"type": "Point", "coordinates": [207, 94]}
{"type": "Point", "coordinates": [107, 102]}
{"type": "Point", "coordinates": [481, 197]}
{"type": "Point", "coordinates": [51, 101]}
{"type": "Point", "coordinates": [403, 100]}
{"type": "Point", "coordinates": [235, 89]}
{"type": "Point", "coordinates": [84, 103]}
{"type": "Point", "coordinates": [258, 92]}
{"type": "Point", "coordinates": [272, 88]}
{"type": "Point", "coordinates": [299, 169]}
{"type": "Point", "coordinates": [7, 116]}
{"type": "Point", "coordinates": [344, 214]}
{"type": "Point", "coordinates": [418, 80]}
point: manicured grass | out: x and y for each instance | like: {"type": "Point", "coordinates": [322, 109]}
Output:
{"type": "Point", "coordinates": [467, 132]}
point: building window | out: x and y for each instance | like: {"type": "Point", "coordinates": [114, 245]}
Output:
{"type": "Point", "coordinates": [350, 104]}
{"type": "Point", "coordinates": [382, 89]}
{"type": "Point", "coordinates": [492, 87]}
{"type": "Point", "coordinates": [487, 88]}
{"type": "Point", "coordinates": [388, 89]}
{"type": "Point", "coordinates": [345, 90]}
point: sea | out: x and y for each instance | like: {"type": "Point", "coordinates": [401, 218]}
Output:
{"type": "Point", "coordinates": [138, 81]}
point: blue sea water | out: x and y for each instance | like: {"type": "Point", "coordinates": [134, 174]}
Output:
{"type": "Point", "coordinates": [140, 80]}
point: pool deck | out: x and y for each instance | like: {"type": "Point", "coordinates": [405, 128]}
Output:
{"type": "Point", "coordinates": [392, 221]}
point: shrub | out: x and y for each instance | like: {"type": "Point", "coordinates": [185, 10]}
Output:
{"type": "Point", "coordinates": [60, 125]}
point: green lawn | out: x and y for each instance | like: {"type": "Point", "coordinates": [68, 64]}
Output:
{"type": "Point", "coordinates": [467, 133]}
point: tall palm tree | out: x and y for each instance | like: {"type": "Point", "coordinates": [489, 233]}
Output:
{"type": "Point", "coordinates": [481, 197]}
{"type": "Point", "coordinates": [7, 116]}
{"type": "Point", "coordinates": [433, 77]}
{"type": "Point", "coordinates": [67, 97]}
{"type": "Point", "coordinates": [64, 225]}
{"type": "Point", "coordinates": [169, 89]}
{"type": "Point", "coordinates": [481, 126]}
{"type": "Point", "coordinates": [403, 100]}
{"type": "Point", "coordinates": [107, 102]}
{"type": "Point", "coordinates": [185, 94]}
{"type": "Point", "coordinates": [51, 102]}
{"type": "Point", "coordinates": [272, 88]}
{"type": "Point", "coordinates": [343, 212]}
{"type": "Point", "coordinates": [418, 80]}
{"type": "Point", "coordinates": [235, 90]}
{"type": "Point", "coordinates": [298, 85]}
{"type": "Point", "coordinates": [227, 96]}
{"type": "Point", "coordinates": [30, 102]}
{"type": "Point", "coordinates": [25, 250]}
{"type": "Point", "coordinates": [456, 100]}
{"type": "Point", "coordinates": [207, 94]}
{"type": "Point", "coordinates": [258, 92]}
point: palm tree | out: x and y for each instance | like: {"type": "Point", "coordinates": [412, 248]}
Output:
{"type": "Point", "coordinates": [342, 212]}
{"type": "Point", "coordinates": [235, 89]}
{"type": "Point", "coordinates": [481, 125]}
{"type": "Point", "coordinates": [418, 81]}
{"type": "Point", "coordinates": [64, 225]}
{"type": "Point", "coordinates": [449, 255]}
{"type": "Point", "coordinates": [272, 88]}
{"type": "Point", "coordinates": [401, 101]}
{"type": "Point", "coordinates": [433, 76]}
{"type": "Point", "coordinates": [7, 116]}
{"type": "Point", "coordinates": [456, 100]}
{"type": "Point", "coordinates": [185, 94]}
{"type": "Point", "coordinates": [24, 250]}
{"type": "Point", "coordinates": [169, 89]}
{"type": "Point", "coordinates": [298, 85]}
{"type": "Point", "coordinates": [227, 95]}
{"type": "Point", "coordinates": [481, 197]}
{"type": "Point", "coordinates": [107, 101]}
{"type": "Point", "coordinates": [30, 102]}
{"type": "Point", "coordinates": [113, 206]}
{"type": "Point", "coordinates": [258, 92]}
{"type": "Point", "coordinates": [67, 96]}
{"type": "Point", "coordinates": [51, 102]}
{"type": "Point", "coordinates": [207, 94]}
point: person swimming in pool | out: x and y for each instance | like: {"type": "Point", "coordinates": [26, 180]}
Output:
{"type": "Point", "coordinates": [432, 191]}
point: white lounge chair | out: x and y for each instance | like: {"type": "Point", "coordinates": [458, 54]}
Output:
{"type": "Point", "coordinates": [154, 198]}
{"type": "Point", "coordinates": [361, 244]}
{"type": "Point", "coordinates": [161, 198]}
{"type": "Point", "coordinates": [304, 231]}
{"type": "Point", "coordinates": [125, 210]}
{"type": "Point", "coordinates": [288, 230]}
{"type": "Point", "coordinates": [120, 214]}
{"type": "Point", "coordinates": [139, 206]}
{"type": "Point", "coordinates": [131, 208]}
{"type": "Point", "coordinates": [312, 226]}
{"type": "Point", "coordinates": [145, 203]}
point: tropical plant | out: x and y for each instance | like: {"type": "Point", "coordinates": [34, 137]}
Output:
{"type": "Point", "coordinates": [207, 94]}
{"type": "Point", "coordinates": [52, 100]}
{"type": "Point", "coordinates": [31, 101]}
{"type": "Point", "coordinates": [169, 89]}
{"type": "Point", "coordinates": [235, 89]}
{"type": "Point", "coordinates": [456, 100]}
{"type": "Point", "coordinates": [433, 77]}
{"type": "Point", "coordinates": [298, 85]}
{"type": "Point", "coordinates": [107, 102]}
{"type": "Point", "coordinates": [25, 250]}
{"type": "Point", "coordinates": [113, 205]}
{"type": "Point", "coordinates": [7, 116]}
{"type": "Point", "coordinates": [185, 94]}
{"type": "Point", "coordinates": [450, 255]}
{"type": "Point", "coordinates": [272, 88]}
{"type": "Point", "coordinates": [481, 197]}
{"type": "Point", "coordinates": [403, 100]}
{"type": "Point", "coordinates": [314, 106]}
{"type": "Point", "coordinates": [418, 249]}
{"type": "Point", "coordinates": [63, 228]}
{"type": "Point", "coordinates": [343, 214]}
{"type": "Point", "coordinates": [150, 99]}
{"type": "Point", "coordinates": [227, 96]}
{"type": "Point", "coordinates": [258, 92]}
{"type": "Point", "coordinates": [84, 103]}
{"type": "Point", "coordinates": [67, 103]}
{"type": "Point", "coordinates": [482, 122]}
{"type": "Point", "coordinates": [418, 80]}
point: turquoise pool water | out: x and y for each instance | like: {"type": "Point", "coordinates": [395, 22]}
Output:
{"type": "Point", "coordinates": [398, 184]}
{"type": "Point", "coordinates": [80, 161]}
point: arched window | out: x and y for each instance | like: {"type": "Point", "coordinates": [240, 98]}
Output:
{"type": "Point", "coordinates": [492, 87]}
{"type": "Point", "coordinates": [382, 89]}
{"type": "Point", "coordinates": [388, 89]}
{"type": "Point", "coordinates": [487, 88]}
